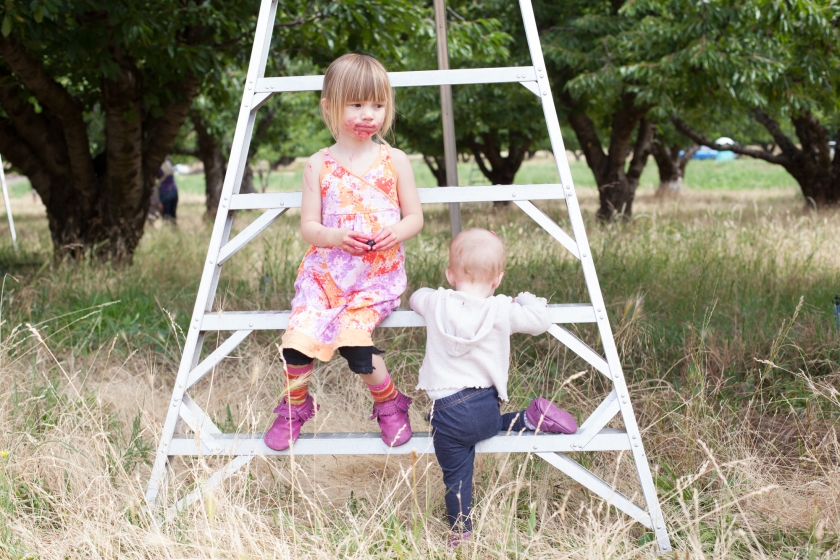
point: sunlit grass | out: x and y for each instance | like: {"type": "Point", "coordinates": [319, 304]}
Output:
{"type": "Point", "coordinates": [732, 380]}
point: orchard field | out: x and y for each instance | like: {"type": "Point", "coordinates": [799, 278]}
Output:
{"type": "Point", "coordinates": [721, 304]}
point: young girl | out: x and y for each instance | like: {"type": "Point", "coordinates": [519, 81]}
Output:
{"type": "Point", "coordinates": [352, 276]}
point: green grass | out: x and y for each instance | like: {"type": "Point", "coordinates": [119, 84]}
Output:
{"type": "Point", "coordinates": [704, 297]}
{"type": "Point", "coordinates": [703, 175]}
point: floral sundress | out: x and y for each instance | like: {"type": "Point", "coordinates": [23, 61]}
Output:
{"type": "Point", "coordinates": [339, 299]}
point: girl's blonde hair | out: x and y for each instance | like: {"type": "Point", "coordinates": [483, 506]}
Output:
{"type": "Point", "coordinates": [355, 77]}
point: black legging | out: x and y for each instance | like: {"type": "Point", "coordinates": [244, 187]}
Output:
{"type": "Point", "coordinates": [359, 358]}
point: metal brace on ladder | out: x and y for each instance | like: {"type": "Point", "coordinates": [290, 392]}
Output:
{"type": "Point", "coordinates": [592, 435]}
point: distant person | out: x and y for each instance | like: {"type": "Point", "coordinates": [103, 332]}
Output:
{"type": "Point", "coordinates": [168, 191]}
{"type": "Point", "coordinates": [465, 369]}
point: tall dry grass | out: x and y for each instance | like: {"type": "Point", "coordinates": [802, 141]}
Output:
{"type": "Point", "coordinates": [720, 316]}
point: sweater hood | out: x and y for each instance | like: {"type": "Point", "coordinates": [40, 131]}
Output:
{"type": "Point", "coordinates": [464, 320]}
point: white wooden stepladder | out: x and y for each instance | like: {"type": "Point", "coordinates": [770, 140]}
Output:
{"type": "Point", "coordinates": [208, 440]}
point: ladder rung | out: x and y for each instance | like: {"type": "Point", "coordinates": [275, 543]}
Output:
{"type": "Point", "coordinates": [370, 443]}
{"type": "Point", "coordinates": [276, 320]}
{"type": "Point", "coordinates": [431, 195]}
{"type": "Point", "coordinates": [460, 76]}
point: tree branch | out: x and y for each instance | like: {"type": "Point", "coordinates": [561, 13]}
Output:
{"type": "Point", "coordinates": [587, 136]}
{"type": "Point", "coordinates": [476, 150]}
{"type": "Point", "coordinates": [688, 154]}
{"type": "Point", "coordinates": [785, 144]}
{"type": "Point", "coordinates": [52, 95]}
{"type": "Point", "coordinates": [39, 131]}
{"type": "Point", "coordinates": [641, 149]}
{"type": "Point", "coordinates": [161, 132]}
{"type": "Point", "coordinates": [685, 129]}
{"type": "Point", "coordinates": [17, 151]}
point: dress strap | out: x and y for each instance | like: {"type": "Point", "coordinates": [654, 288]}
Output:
{"type": "Point", "coordinates": [387, 161]}
{"type": "Point", "coordinates": [325, 155]}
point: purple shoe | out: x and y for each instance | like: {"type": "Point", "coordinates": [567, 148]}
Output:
{"type": "Point", "coordinates": [286, 428]}
{"type": "Point", "coordinates": [457, 539]}
{"type": "Point", "coordinates": [393, 420]}
{"type": "Point", "coordinates": [548, 418]}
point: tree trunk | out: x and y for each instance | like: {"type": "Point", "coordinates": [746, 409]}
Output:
{"type": "Point", "coordinates": [94, 205]}
{"type": "Point", "coordinates": [671, 165]}
{"type": "Point", "coordinates": [437, 165]}
{"type": "Point", "coordinates": [247, 185]}
{"type": "Point", "coordinates": [616, 179]}
{"type": "Point", "coordinates": [810, 163]}
{"type": "Point", "coordinates": [499, 170]}
{"type": "Point", "coordinates": [210, 153]}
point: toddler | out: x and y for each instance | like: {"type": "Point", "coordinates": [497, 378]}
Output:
{"type": "Point", "coordinates": [465, 369]}
{"type": "Point", "coordinates": [359, 204]}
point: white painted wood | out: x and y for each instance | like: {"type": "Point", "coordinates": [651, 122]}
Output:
{"type": "Point", "coordinates": [599, 418]}
{"type": "Point", "coordinates": [532, 87]}
{"type": "Point", "coordinates": [370, 443]}
{"type": "Point", "coordinates": [260, 100]}
{"type": "Point", "coordinates": [277, 320]}
{"type": "Point", "coordinates": [200, 423]}
{"type": "Point", "coordinates": [217, 356]}
{"type": "Point", "coordinates": [585, 477]}
{"type": "Point", "coordinates": [549, 225]}
{"type": "Point", "coordinates": [590, 275]}
{"type": "Point", "coordinates": [431, 195]}
{"type": "Point", "coordinates": [217, 478]}
{"type": "Point", "coordinates": [580, 348]}
{"type": "Point", "coordinates": [221, 231]}
{"type": "Point", "coordinates": [411, 79]}
{"type": "Point", "coordinates": [246, 235]}
{"type": "Point", "coordinates": [8, 205]}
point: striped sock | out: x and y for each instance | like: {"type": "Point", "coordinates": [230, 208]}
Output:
{"type": "Point", "coordinates": [384, 392]}
{"type": "Point", "coordinates": [297, 383]}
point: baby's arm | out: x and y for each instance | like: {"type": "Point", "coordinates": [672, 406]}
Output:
{"type": "Point", "coordinates": [311, 227]}
{"type": "Point", "coordinates": [529, 314]}
{"type": "Point", "coordinates": [410, 207]}
{"type": "Point", "coordinates": [419, 300]}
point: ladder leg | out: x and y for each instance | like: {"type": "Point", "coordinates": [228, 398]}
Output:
{"type": "Point", "coordinates": [216, 479]}
{"type": "Point", "coordinates": [221, 233]}
{"type": "Point", "coordinates": [591, 277]}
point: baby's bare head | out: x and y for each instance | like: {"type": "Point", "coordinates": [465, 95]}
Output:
{"type": "Point", "coordinates": [477, 255]}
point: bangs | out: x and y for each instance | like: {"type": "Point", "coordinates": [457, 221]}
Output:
{"type": "Point", "coordinates": [356, 77]}
{"type": "Point", "coordinates": [365, 82]}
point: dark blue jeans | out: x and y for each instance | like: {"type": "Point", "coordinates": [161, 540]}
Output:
{"type": "Point", "coordinates": [459, 422]}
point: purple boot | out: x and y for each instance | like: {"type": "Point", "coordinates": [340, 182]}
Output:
{"type": "Point", "coordinates": [548, 418]}
{"type": "Point", "coordinates": [393, 420]}
{"type": "Point", "coordinates": [286, 428]}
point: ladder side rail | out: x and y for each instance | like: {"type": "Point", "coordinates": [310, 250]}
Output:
{"type": "Point", "coordinates": [221, 231]}
{"type": "Point", "coordinates": [591, 278]}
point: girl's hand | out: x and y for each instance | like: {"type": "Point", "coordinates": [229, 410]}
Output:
{"type": "Point", "coordinates": [385, 239]}
{"type": "Point", "coordinates": [352, 242]}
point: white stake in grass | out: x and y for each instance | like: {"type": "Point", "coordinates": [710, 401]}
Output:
{"type": "Point", "coordinates": [8, 204]}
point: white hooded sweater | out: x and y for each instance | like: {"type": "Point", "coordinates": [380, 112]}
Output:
{"type": "Point", "coordinates": [468, 337]}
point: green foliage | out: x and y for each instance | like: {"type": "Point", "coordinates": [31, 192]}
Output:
{"type": "Point", "coordinates": [723, 58]}
{"type": "Point", "coordinates": [485, 34]}
{"type": "Point", "coordinates": [81, 43]}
